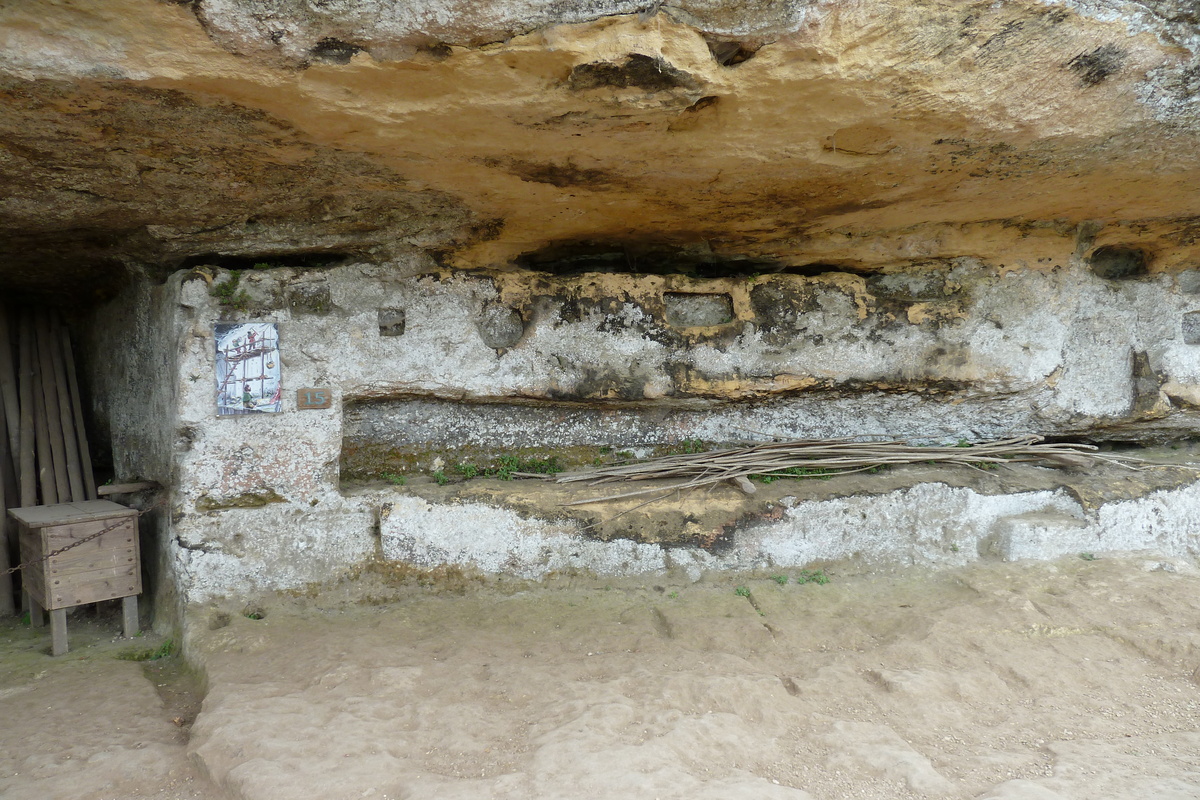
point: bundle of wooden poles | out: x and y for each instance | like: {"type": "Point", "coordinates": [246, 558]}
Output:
{"type": "Point", "coordinates": [823, 457]}
{"type": "Point", "coordinates": [44, 456]}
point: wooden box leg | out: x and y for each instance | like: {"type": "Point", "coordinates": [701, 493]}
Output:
{"type": "Point", "coordinates": [58, 631]}
{"type": "Point", "coordinates": [37, 616]}
{"type": "Point", "coordinates": [129, 609]}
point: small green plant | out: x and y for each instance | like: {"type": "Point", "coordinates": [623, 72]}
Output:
{"type": "Point", "coordinates": [693, 446]}
{"type": "Point", "coordinates": [393, 478]}
{"type": "Point", "coordinates": [673, 595]}
{"type": "Point", "coordinates": [440, 477]}
{"type": "Point", "coordinates": [229, 295]}
{"type": "Point", "coordinates": [164, 650]}
{"type": "Point", "coordinates": [963, 443]}
{"type": "Point", "coordinates": [817, 576]}
{"type": "Point", "coordinates": [780, 579]}
{"type": "Point", "coordinates": [954, 548]}
{"type": "Point", "coordinates": [264, 265]}
{"type": "Point", "coordinates": [1089, 556]}
{"type": "Point", "coordinates": [507, 466]}
{"type": "Point", "coordinates": [794, 472]}
{"type": "Point", "coordinates": [253, 613]}
{"type": "Point", "coordinates": [742, 591]}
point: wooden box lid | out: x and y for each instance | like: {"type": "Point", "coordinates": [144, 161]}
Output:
{"type": "Point", "coordinates": [67, 513]}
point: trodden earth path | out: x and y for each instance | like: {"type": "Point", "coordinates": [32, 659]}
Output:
{"type": "Point", "coordinates": [1074, 679]}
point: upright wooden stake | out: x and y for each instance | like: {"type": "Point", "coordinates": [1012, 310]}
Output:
{"type": "Point", "coordinates": [26, 475]}
{"type": "Point", "coordinates": [7, 604]}
{"type": "Point", "coordinates": [8, 387]}
{"type": "Point", "coordinates": [58, 631]}
{"type": "Point", "coordinates": [40, 437]}
{"type": "Point", "coordinates": [85, 454]}
{"type": "Point", "coordinates": [66, 419]}
{"type": "Point", "coordinates": [54, 431]}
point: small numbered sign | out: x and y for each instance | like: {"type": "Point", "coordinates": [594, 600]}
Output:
{"type": "Point", "coordinates": [313, 398]}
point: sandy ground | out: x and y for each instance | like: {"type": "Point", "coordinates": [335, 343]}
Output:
{"type": "Point", "coordinates": [1076, 679]}
{"type": "Point", "coordinates": [90, 725]}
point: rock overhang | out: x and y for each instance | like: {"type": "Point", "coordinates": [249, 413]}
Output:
{"type": "Point", "coordinates": [931, 218]}
{"type": "Point", "coordinates": [867, 135]}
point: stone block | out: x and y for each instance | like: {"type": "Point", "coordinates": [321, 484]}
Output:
{"type": "Point", "coordinates": [1191, 327]}
{"type": "Point", "coordinates": [1041, 535]}
{"type": "Point", "coordinates": [687, 310]}
{"type": "Point", "coordinates": [500, 327]}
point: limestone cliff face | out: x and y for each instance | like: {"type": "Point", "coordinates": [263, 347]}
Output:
{"type": "Point", "coordinates": [543, 224]}
{"type": "Point", "coordinates": [869, 135]}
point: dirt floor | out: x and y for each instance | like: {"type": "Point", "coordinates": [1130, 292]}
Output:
{"type": "Point", "coordinates": [1076, 679]}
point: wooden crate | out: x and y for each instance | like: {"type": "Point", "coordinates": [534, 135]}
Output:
{"type": "Point", "coordinates": [106, 568]}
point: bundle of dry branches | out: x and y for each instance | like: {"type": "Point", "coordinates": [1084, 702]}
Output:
{"type": "Point", "coordinates": [823, 457]}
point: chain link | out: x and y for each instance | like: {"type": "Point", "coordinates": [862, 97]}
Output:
{"type": "Point", "coordinates": [84, 540]}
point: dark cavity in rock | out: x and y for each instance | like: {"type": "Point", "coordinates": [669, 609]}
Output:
{"type": "Point", "coordinates": [1118, 263]}
{"type": "Point", "coordinates": [641, 258]}
{"type": "Point", "coordinates": [730, 54]}
{"type": "Point", "coordinates": [500, 327]}
{"type": "Point", "coordinates": [334, 51]}
{"type": "Point", "coordinates": [309, 260]}
{"type": "Point", "coordinates": [391, 322]}
{"type": "Point", "coordinates": [638, 72]}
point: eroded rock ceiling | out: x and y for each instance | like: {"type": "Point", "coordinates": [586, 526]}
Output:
{"type": "Point", "coordinates": [868, 135]}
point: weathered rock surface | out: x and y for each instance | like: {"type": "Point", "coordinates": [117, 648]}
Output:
{"type": "Point", "coordinates": [870, 135]}
{"type": "Point", "coordinates": [277, 501]}
{"type": "Point", "coordinates": [1030, 682]}
{"type": "Point", "coordinates": [929, 219]}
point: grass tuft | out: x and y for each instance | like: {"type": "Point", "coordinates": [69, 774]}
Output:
{"type": "Point", "coordinates": [164, 650]}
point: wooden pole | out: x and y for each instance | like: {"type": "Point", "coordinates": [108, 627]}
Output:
{"type": "Point", "coordinates": [10, 439]}
{"type": "Point", "coordinates": [65, 416]}
{"type": "Point", "coordinates": [7, 604]}
{"type": "Point", "coordinates": [128, 488]}
{"type": "Point", "coordinates": [41, 435]}
{"type": "Point", "coordinates": [11, 495]}
{"type": "Point", "coordinates": [85, 454]}
{"type": "Point", "coordinates": [8, 388]}
{"type": "Point", "coordinates": [54, 431]}
{"type": "Point", "coordinates": [27, 474]}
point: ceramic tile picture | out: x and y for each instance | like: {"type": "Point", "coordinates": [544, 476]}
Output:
{"type": "Point", "coordinates": [248, 377]}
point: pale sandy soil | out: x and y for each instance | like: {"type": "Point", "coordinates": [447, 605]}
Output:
{"type": "Point", "coordinates": [89, 725]}
{"type": "Point", "coordinates": [1076, 679]}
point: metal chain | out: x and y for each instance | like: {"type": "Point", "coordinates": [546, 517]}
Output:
{"type": "Point", "coordinates": [84, 540]}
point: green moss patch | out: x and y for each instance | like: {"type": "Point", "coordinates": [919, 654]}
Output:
{"type": "Point", "coordinates": [244, 500]}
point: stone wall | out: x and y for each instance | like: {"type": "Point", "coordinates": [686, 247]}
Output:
{"type": "Point", "coordinates": [431, 370]}
{"type": "Point", "coordinates": [129, 353]}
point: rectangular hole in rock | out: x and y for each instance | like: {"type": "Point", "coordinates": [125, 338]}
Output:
{"type": "Point", "coordinates": [687, 310]}
{"type": "Point", "coordinates": [391, 322]}
{"type": "Point", "coordinates": [411, 436]}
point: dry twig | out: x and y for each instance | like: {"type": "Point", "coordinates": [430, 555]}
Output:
{"type": "Point", "coordinates": [824, 457]}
